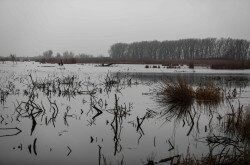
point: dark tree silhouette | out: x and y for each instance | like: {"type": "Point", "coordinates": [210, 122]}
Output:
{"type": "Point", "coordinates": [185, 49]}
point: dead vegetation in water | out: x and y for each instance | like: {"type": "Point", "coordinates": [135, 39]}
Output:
{"type": "Point", "coordinates": [119, 113]}
{"type": "Point", "coordinates": [217, 159]}
{"type": "Point", "coordinates": [151, 159]}
{"type": "Point", "coordinates": [66, 86]}
{"type": "Point", "coordinates": [8, 89]}
{"type": "Point", "coordinates": [33, 110]}
{"type": "Point", "coordinates": [180, 93]}
{"type": "Point", "coordinates": [222, 150]}
{"type": "Point", "coordinates": [177, 100]}
{"type": "Point", "coordinates": [226, 156]}
{"type": "Point", "coordinates": [117, 81]}
{"type": "Point", "coordinates": [237, 123]}
{"type": "Point", "coordinates": [231, 148]}
{"type": "Point", "coordinates": [208, 93]}
{"type": "Point", "coordinates": [3, 96]}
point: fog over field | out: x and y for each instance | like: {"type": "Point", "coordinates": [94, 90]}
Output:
{"type": "Point", "coordinates": [30, 27]}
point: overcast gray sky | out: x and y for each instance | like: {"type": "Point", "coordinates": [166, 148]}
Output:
{"type": "Point", "coordinates": [29, 27]}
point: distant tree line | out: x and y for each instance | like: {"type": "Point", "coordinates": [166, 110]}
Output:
{"type": "Point", "coordinates": [183, 49]}
{"type": "Point", "coordinates": [65, 55]}
{"type": "Point", "coordinates": [69, 57]}
{"type": "Point", "coordinates": [11, 57]}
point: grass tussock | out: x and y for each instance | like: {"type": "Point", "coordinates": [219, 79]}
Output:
{"type": "Point", "coordinates": [208, 93]}
{"type": "Point", "coordinates": [180, 93]}
{"type": "Point", "coordinates": [177, 98]}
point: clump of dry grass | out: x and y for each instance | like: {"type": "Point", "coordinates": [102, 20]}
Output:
{"type": "Point", "coordinates": [208, 93]}
{"type": "Point", "coordinates": [180, 93]}
{"type": "Point", "coordinates": [178, 97]}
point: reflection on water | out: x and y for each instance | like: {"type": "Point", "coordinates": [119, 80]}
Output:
{"type": "Point", "coordinates": [54, 116]}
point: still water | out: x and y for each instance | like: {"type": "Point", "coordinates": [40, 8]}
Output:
{"type": "Point", "coordinates": [87, 114]}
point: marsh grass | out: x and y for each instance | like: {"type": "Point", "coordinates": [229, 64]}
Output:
{"type": "Point", "coordinates": [225, 156]}
{"type": "Point", "coordinates": [176, 98]}
{"type": "Point", "coordinates": [232, 149]}
{"type": "Point", "coordinates": [216, 160]}
{"type": "Point", "coordinates": [180, 93]}
{"type": "Point", "coordinates": [208, 94]}
{"type": "Point", "coordinates": [237, 124]}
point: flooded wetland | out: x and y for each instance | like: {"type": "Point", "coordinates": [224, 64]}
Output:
{"type": "Point", "coordinates": [122, 114]}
